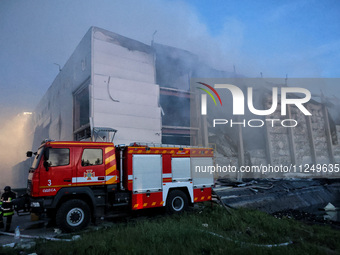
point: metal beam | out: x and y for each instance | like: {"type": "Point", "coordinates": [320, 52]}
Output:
{"type": "Point", "coordinates": [291, 139]}
{"type": "Point", "coordinates": [174, 92]}
{"type": "Point", "coordinates": [311, 138]}
{"type": "Point", "coordinates": [240, 153]}
{"type": "Point", "coordinates": [328, 135]}
{"type": "Point", "coordinates": [179, 130]}
{"type": "Point", "coordinates": [205, 131]}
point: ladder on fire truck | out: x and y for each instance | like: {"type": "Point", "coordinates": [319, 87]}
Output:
{"type": "Point", "coordinates": [151, 145]}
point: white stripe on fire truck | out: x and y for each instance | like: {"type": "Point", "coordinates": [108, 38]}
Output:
{"type": "Point", "coordinates": [130, 177]}
{"type": "Point", "coordinates": [93, 179]}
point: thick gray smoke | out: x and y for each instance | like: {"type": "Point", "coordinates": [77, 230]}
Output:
{"type": "Point", "coordinates": [30, 50]}
{"type": "Point", "coordinates": [15, 140]}
{"type": "Point", "coordinates": [54, 30]}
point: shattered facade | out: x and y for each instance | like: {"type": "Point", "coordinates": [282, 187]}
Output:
{"type": "Point", "coordinates": [315, 140]}
{"type": "Point", "coordinates": [108, 82]}
{"type": "Point", "coordinates": [143, 91]}
{"type": "Point", "coordinates": [111, 81]}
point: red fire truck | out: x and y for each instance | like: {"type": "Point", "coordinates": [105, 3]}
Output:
{"type": "Point", "coordinates": [76, 182]}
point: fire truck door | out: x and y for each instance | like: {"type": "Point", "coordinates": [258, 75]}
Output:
{"type": "Point", "coordinates": [57, 170]}
{"type": "Point", "coordinates": [91, 168]}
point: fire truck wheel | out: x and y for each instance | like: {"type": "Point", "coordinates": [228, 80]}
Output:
{"type": "Point", "coordinates": [73, 215]}
{"type": "Point", "coordinates": [176, 202]}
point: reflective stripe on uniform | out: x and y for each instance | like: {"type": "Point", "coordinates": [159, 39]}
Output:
{"type": "Point", "coordinates": [8, 214]}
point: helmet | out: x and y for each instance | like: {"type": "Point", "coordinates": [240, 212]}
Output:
{"type": "Point", "coordinates": [7, 188]}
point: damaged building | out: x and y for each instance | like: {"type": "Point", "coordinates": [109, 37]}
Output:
{"type": "Point", "coordinates": [113, 83]}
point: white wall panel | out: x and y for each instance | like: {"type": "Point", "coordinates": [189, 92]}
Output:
{"type": "Point", "coordinates": [126, 85]}
{"type": "Point", "coordinates": [128, 66]}
{"type": "Point", "coordinates": [126, 97]}
{"type": "Point", "coordinates": [111, 44]}
{"type": "Point", "coordinates": [124, 121]}
{"type": "Point", "coordinates": [123, 73]}
{"type": "Point", "coordinates": [118, 61]}
{"type": "Point", "coordinates": [115, 55]}
{"type": "Point", "coordinates": [113, 108]}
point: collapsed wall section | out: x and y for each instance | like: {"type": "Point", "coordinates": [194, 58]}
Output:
{"type": "Point", "coordinates": [300, 137]}
{"type": "Point", "coordinates": [337, 145]}
{"type": "Point", "coordinates": [314, 141]}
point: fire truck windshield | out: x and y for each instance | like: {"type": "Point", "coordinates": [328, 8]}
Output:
{"type": "Point", "coordinates": [37, 159]}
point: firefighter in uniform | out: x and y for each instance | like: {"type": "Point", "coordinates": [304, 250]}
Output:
{"type": "Point", "coordinates": [6, 207]}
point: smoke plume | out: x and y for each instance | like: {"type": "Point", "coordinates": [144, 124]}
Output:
{"type": "Point", "coordinates": [15, 140]}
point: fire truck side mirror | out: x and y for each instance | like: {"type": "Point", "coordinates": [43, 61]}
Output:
{"type": "Point", "coordinates": [46, 165]}
{"type": "Point", "coordinates": [46, 154]}
{"type": "Point", "coordinates": [46, 157]}
{"type": "Point", "coordinates": [29, 154]}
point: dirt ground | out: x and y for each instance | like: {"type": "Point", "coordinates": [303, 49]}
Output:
{"type": "Point", "coordinates": [31, 230]}
{"type": "Point", "coordinates": [27, 227]}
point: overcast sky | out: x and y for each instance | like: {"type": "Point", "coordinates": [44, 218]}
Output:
{"type": "Point", "coordinates": [299, 38]}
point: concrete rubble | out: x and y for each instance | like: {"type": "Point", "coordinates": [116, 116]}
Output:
{"type": "Point", "coordinates": [272, 195]}
{"type": "Point", "coordinates": [314, 140]}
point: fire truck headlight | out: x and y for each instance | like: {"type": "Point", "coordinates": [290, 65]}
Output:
{"type": "Point", "coordinates": [35, 204]}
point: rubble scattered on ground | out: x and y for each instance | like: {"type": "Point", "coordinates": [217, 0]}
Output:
{"type": "Point", "coordinates": [306, 217]}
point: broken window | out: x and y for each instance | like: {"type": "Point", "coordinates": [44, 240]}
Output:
{"type": "Point", "coordinates": [177, 139]}
{"type": "Point", "coordinates": [175, 116]}
{"type": "Point", "coordinates": [176, 110]}
{"type": "Point", "coordinates": [81, 118]}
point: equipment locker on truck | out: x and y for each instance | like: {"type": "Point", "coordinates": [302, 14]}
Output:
{"type": "Point", "coordinates": [75, 182]}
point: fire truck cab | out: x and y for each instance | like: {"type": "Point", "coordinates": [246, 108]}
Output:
{"type": "Point", "coordinates": [76, 182]}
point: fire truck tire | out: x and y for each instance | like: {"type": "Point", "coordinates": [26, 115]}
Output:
{"type": "Point", "coordinates": [73, 215]}
{"type": "Point", "coordinates": [176, 202]}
